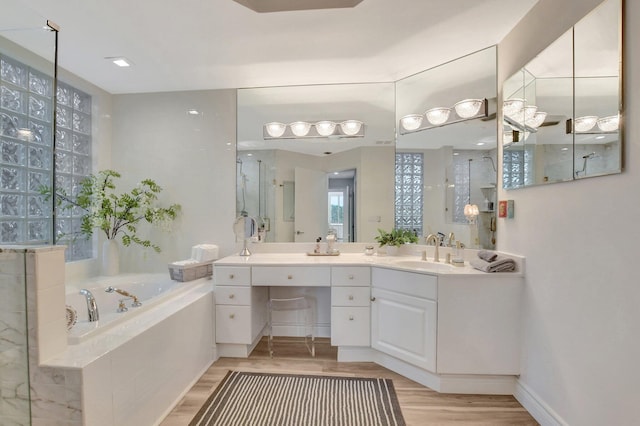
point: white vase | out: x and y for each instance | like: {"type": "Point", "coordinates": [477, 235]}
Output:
{"type": "Point", "coordinates": [110, 258]}
{"type": "Point", "coordinates": [392, 250]}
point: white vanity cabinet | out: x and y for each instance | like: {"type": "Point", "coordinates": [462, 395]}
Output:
{"type": "Point", "coordinates": [404, 316]}
{"type": "Point", "coordinates": [350, 311]}
{"type": "Point", "coordinates": [240, 316]}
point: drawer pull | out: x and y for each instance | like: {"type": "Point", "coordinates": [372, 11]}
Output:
{"type": "Point", "coordinates": [231, 296]}
{"type": "Point", "coordinates": [373, 299]}
{"type": "Point", "coordinates": [232, 316]}
{"type": "Point", "coordinates": [289, 277]}
{"type": "Point", "coordinates": [350, 317]}
{"type": "Point", "coordinates": [231, 276]}
{"type": "Point", "coordinates": [350, 277]}
{"type": "Point", "coordinates": [351, 297]}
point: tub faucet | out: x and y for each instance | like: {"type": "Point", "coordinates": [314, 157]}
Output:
{"type": "Point", "coordinates": [92, 306]}
{"type": "Point", "coordinates": [436, 244]}
{"type": "Point", "coordinates": [135, 303]}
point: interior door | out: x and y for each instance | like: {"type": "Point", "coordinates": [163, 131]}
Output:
{"type": "Point", "coordinates": [311, 205]}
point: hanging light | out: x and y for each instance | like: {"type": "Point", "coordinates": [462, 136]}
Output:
{"type": "Point", "coordinates": [511, 107]}
{"type": "Point", "coordinates": [609, 124]}
{"type": "Point", "coordinates": [471, 211]}
{"type": "Point", "coordinates": [468, 108]}
{"type": "Point", "coordinates": [411, 121]}
{"type": "Point", "coordinates": [586, 123]}
{"type": "Point", "coordinates": [438, 115]}
{"type": "Point", "coordinates": [300, 128]}
{"type": "Point", "coordinates": [275, 129]}
{"type": "Point", "coordinates": [537, 119]}
{"type": "Point", "coordinates": [325, 128]}
{"type": "Point", "coordinates": [350, 127]}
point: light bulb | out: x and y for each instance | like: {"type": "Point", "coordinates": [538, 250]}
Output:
{"type": "Point", "coordinates": [275, 129]}
{"type": "Point", "coordinates": [511, 107]}
{"type": "Point", "coordinates": [609, 124]}
{"type": "Point", "coordinates": [300, 128]}
{"type": "Point", "coordinates": [325, 128]}
{"type": "Point", "coordinates": [350, 127]}
{"type": "Point", "coordinates": [437, 116]}
{"type": "Point", "coordinates": [537, 119]}
{"type": "Point", "coordinates": [411, 121]}
{"type": "Point", "coordinates": [584, 124]}
{"type": "Point", "coordinates": [468, 107]}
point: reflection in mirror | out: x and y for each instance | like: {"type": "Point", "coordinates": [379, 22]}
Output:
{"type": "Point", "coordinates": [450, 165]}
{"type": "Point", "coordinates": [290, 183]}
{"type": "Point", "coordinates": [245, 228]}
{"type": "Point", "coordinates": [573, 87]}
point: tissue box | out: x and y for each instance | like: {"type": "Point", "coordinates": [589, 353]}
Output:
{"type": "Point", "coordinates": [184, 272]}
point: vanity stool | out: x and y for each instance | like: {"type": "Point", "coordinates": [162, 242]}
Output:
{"type": "Point", "coordinates": [304, 309]}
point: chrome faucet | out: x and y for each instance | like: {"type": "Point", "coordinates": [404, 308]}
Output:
{"type": "Point", "coordinates": [436, 244]}
{"type": "Point", "coordinates": [452, 238]}
{"type": "Point", "coordinates": [92, 306]}
{"type": "Point", "coordinates": [135, 303]}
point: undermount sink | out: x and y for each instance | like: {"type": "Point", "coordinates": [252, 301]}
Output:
{"type": "Point", "coordinates": [422, 264]}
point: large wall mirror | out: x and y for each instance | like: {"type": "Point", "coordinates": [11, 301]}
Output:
{"type": "Point", "coordinates": [314, 159]}
{"type": "Point", "coordinates": [562, 111]}
{"type": "Point", "coordinates": [446, 150]}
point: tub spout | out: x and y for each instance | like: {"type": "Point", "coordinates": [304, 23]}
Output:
{"type": "Point", "coordinates": [92, 306]}
{"type": "Point", "coordinates": [135, 303]}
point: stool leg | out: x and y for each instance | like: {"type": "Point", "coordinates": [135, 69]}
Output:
{"type": "Point", "coordinates": [270, 328]}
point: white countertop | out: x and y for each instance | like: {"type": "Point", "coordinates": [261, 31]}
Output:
{"type": "Point", "coordinates": [406, 263]}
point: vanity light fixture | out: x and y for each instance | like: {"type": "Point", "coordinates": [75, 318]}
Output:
{"type": "Point", "coordinates": [537, 119]}
{"type": "Point", "coordinates": [593, 125]}
{"type": "Point", "coordinates": [467, 109]}
{"type": "Point", "coordinates": [320, 129]}
{"type": "Point", "coordinates": [511, 107]}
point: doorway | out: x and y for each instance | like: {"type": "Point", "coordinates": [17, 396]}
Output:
{"type": "Point", "coordinates": [341, 204]}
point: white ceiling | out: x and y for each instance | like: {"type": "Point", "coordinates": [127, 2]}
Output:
{"type": "Point", "coordinates": [210, 44]}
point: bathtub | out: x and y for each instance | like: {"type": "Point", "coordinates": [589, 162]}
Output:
{"type": "Point", "coordinates": [150, 289]}
{"type": "Point", "coordinates": [131, 368]}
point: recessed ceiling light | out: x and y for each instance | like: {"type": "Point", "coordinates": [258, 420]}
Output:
{"type": "Point", "coordinates": [480, 143]}
{"type": "Point", "coordinates": [456, 153]}
{"type": "Point", "coordinates": [565, 149]}
{"type": "Point", "coordinates": [249, 155]}
{"type": "Point", "coordinates": [193, 112]}
{"type": "Point", "coordinates": [600, 137]}
{"type": "Point", "coordinates": [336, 173]}
{"type": "Point", "coordinates": [120, 61]}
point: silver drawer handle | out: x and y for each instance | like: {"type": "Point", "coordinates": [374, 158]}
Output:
{"type": "Point", "coordinates": [373, 299]}
{"type": "Point", "coordinates": [350, 277]}
{"type": "Point", "coordinates": [231, 296]}
{"type": "Point", "coordinates": [231, 276]}
{"type": "Point", "coordinates": [351, 297]}
{"type": "Point", "coordinates": [289, 277]}
{"type": "Point", "coordinates": [350, 317]}
{"type": "Point", "coordinates": [232, 316]}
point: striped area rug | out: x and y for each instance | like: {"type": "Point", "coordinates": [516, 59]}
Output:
{"type": "Point", "coordinates": [263, 399]}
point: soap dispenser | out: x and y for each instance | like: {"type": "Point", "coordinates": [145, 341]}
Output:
{"type": "Point", "coordinates": [316, 250]}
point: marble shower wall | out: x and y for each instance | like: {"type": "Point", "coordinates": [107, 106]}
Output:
{"type": "Point", "coordinates": [14, 369]}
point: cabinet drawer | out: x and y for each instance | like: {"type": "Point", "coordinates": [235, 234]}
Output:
{"type": "Point", "coordinates": [409, 283]}
{"type": "Point", "coordinates": [302, 276]}
{"type": "Point", "coordinates": [350, 296]}
{"type": "Point", "coordinates": [350, 326]}
{"type": "Point", "coordinates": [232, 295]}
{"type": "Point", "coordinates": [351, 275]}
{"type": "Point", "coordinates": [232, 275]}
{"type": "Point", "coordinates": [233, 324]}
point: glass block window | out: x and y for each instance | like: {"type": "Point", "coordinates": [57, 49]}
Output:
{"type": "Point", "coordinates": [517, 168]}
{"type": "Point", "coordinates": [26, 157]}
{"type": "Point", "coordinates": [408, 191]}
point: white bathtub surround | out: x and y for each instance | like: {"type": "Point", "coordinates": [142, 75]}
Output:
{"type": "Point", "coordinates": [134, 371]}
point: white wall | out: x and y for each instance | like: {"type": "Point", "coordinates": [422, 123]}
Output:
{"type": "Point", "coordinates": [581, 336]}
{"type": "Point", "coordinates": [191, 157]}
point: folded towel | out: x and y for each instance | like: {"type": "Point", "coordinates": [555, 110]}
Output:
{"type": "Point", "coordinates": [487, 255]}
{"type": "Point", "coordinates": [204, 252]}
{"type": "Point", "coordinates": [501, 264]}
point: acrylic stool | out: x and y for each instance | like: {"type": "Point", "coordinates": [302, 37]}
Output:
{"type": "Point", "coordinates": [305, 317]}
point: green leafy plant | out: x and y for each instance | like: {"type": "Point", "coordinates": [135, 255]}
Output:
{"type": "Point", "coordinates": [396, 237]}
{"type": "Point", "coordinates": [116, 214]}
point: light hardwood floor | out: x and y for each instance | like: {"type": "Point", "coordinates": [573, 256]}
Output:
{"type": "Point", "coordinates": [420, 405]}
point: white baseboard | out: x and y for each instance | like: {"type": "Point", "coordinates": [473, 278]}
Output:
{"type": "Point", "coordinates": [355, 354]}
{"type": "Point", "coordinates": [536, 406]}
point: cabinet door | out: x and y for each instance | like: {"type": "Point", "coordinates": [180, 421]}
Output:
{"type": "Point", "coordinates": [404, 327]}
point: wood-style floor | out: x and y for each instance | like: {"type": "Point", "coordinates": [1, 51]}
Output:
{"type": "Point", "coordinates": [420, 405]}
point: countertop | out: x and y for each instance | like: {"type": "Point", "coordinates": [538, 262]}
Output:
{"type": "Point", "coordinates": [405, 263]}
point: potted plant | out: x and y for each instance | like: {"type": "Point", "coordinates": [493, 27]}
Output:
{"type": "Point", "coordinates": [394, 239]}
{"type": "Point", "coordinates": [116, 214]}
